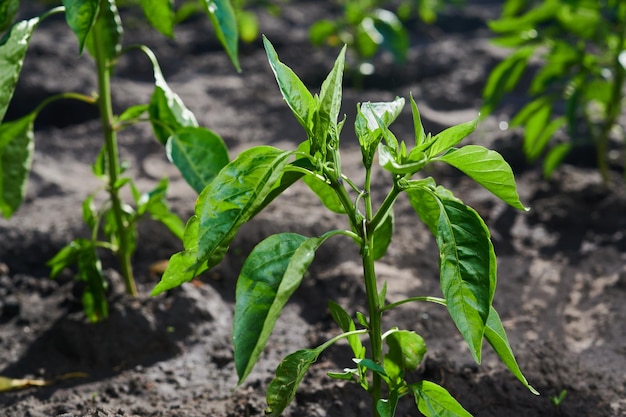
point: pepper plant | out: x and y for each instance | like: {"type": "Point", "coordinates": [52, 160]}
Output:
{"type": "Point", "coordinates": [275, 267]}
{"type": "Point", "coordinates": [580, 46]}
{"type": "Point", "coordinates": [197, 152]}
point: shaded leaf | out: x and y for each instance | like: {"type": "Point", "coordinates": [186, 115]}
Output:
{"type": "Point", "coordinates": [106, 33]}
{"type": "Point", "coordinates": [198, 153]}
{"type": "Point", "coordinates": [281, 391]}
{"type": "Point", "coordinates": [81, 16]}
{"type": "Point", "coordinates": [160, 14]}
{"type": "Point", "coordinates": [16, 157]}
{"type": "Point", "coordinates": [382, 237]}
{"type": "Point", "coordinates": [8, 10]}
{"type": "Point", "coordinates": [268, 278]}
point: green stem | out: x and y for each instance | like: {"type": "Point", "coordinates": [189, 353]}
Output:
{"type": "Point", "coordinates": [112, 154]}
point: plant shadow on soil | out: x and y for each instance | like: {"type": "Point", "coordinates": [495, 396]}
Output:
{"type": "Point", "coordinates": [562, 273]}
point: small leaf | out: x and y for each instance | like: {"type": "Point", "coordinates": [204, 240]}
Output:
{"type": "Point", "coordinates": [487, 168]}
{"type": "Point", "coordinates": [382, 237]}
{"type": "Point", "coordinates": [16, 157]}
{"type": "Point", "coordinates": [247, 25]}
{"type": "Point", "coordinates": [367, 127]}
{"type": "Point", "coordinates": [554, 158]}
{"type": "Point", "coordinates": [198, 153]}
{"type": "Point", "coordinates": [295, 93]}
{"type": "Point", "coordinates": [13, 46]}
{"type": "Point", "coordinates": [435, 401]}
{"type": "Point", "coordinates": [160, 14]}
{"type": "Point", "coordinates": [387, 407]}
{"type": "Point", "coordinates": [496, 336]}
{"type": "Point", "coordinates": [81, 16]}
{"type": "Point", "coordinates": [346, 324]}
{"type": "Point", "coordinates": [224, 23]}
{"type": "Point", "coordinates": [234, 196]}
{"type": "Point", "coordinates": [289, 374]}
{"type": "Point", "coordinates": [270, 275]}
{"type": "Point", "coordinates": [329, 106]}
{"type": "Point", "coordinates": [107, 32]}
{"type": "Point", "coordinates": [406, 350]}
{"type": "Point", "coordinates": [371, 365]}
{"type": "Point", "coordinates": [420, 135]}
{"type": "Point", "coordinates": [133, 112]}
{"type": "Point", "coordinates": [168, 113]}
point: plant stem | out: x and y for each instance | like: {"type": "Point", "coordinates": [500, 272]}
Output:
{"type": "Point", "coordinates": [112, 154]}
{"type": "Point", "coordinates": [371, 289]}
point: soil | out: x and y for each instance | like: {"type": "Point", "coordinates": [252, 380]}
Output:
{"type": "Point", "coordinates": [562, 266]}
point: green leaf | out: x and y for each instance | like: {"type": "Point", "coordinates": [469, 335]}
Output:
{"type": "Point", "coordinates": [154, 203]}
{"type": "Point", "coordinates": [198, 153]}
{"type": "Point", "coordinates": [160, 14]}
{"type": "Point", "coordinates": [406, 351]}
{"type": "Point", "coordinates": [395, 38]}
{"type": "Point", "coordinates": [418, 127]}
{"type": "Point", "coordinates": [394, 164]}
{"type": "Point", "coordinates": [247, 25]}
{"type": "Point", "coordinates": [435, 401]}
{"type": "Point", "coordinates": [382, 237]}
{"type": "Point", "coordinates": [289, 373]}
{"type": "Point", "coordinates": [496, 336]}
{"type": "Point", "coordinates": [8, 10]}
{"type": "Point", "coordinates": [270, 275]}
{"type": "Point", "coordinates": [367, 127]}
{"type": "Point", "coordinates": [182, 266]}
{"type": "Point", "coordinates": [371, 365]}
{"type": "Point", "coordinates": [133, 112]}
{"type": "Point", "coordinates": [13, 46]}
{"type": "Point", "coordinates": [64, 258]}
{"type": "Point", "coordinates": [81, 16]}
{"type": "Point", "coordinates": [16, 157]}
{"type": "Point", "coordinates": [533, 147]}
{"type": "Point", "coordinates": [224, 23]}
{"type": "Point", "coordinates": [325, 193]}
{"type": "Point", "coordinates": [546, 10]}
{"type": "Point", "coordinates": [329, 106]}
{"type": "Point", "coordinates": [107, 32]}
{"type": "Point", "coordinates": [487, 168]}
{"type": "Point", "coordinates": [234, 196]}
{"type": "Point", "coordinates": [167, 112]}
{"type": "Point", "coordinates": [295, 93]}
{"type": "Point", "coordinates": [345, 322]}
{"type": "Point", "coordinates": [554, 158]}
{"type": "Point", "coordinates": [94, 294]}
{"type": "Point", "coordinates": [387, 407]}
{"type": "Point", "coordinates": [467, 261]}
{"type": "Point", "coordinates": [450, 137]}
{"type": "Point", "coordinates": [322, 31]}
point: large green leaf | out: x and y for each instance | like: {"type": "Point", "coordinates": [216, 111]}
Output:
{"type": "Point", "coordinates": [182, 266]}
{"type": "Point", "coordinates": [270, 275]}
{"type": "Point", "coordinates": [467, 261]}
{"type": "Point", "coordinates": [487, 168]}
{"type": "Point", "coordinates": [295, 93]}
{"type": "Point", "coordinates": [198, 153]}
{"type": "Point", "coordinates": [168, 113]}
{"type": "Point", "coordinates": [16, 156]}
{"type": "Point", "coordinates": [496, 336]}
{"type": "Point", "coordinates": [224, 22]}
{"type": "Point", "coordinates": [234, 195]}
{"type": "Point", "coordinates": [160, 14]}
{"type": "Point", "coordinates": [8, 10]}
{"type": "Point", "coordinates": [81, 16]}
{"type": "Point", "coordinates": [13, 48]}
{"type": "Point", "coordinates": [435, 401]}
{"type": "Point", "coordinates": [106, 33]}
{"type": "Point", "coordinates": [281, 391]}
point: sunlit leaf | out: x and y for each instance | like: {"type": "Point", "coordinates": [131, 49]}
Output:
{"type": "Point", "coordinates": [160, 14]}
{"type": "Point", "coordinates": [435, 401]}
{"type": "Point", "coordinates": [487, 168]}
{"type": "Point", "coordinates": [224, 22]}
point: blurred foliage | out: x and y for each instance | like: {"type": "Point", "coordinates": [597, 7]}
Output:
{"type": "Point", "coordinates": [580, 46]}
{"type": "Point", "coordinates": [370, 26]}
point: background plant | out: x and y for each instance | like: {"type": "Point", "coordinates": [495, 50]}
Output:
{"type": "Point", "coordinates": [580, 46]}
{"type": "Point", "coordinates": [371, 26]}
{"type": "Point", "coordinates": [276, 266]}
{"type": "Point", "coordinates": [197, 152]}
